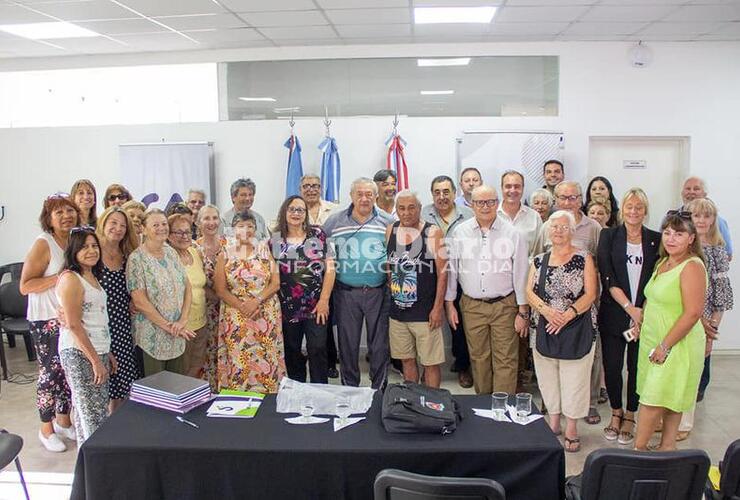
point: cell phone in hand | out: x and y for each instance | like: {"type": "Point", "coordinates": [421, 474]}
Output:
{"type": "Point", "coordinates": [629, 334]}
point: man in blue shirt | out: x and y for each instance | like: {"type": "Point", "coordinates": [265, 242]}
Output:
{"type": "Point", "coordinates": [357, 236]}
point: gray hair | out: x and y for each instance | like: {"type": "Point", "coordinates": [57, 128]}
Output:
{"type": "Point", "coordinates": [210, 205]}
{"type": "Point", "coordinates": [363, 181]}
{"type": "Point", "coordinates": [695, 178]}
{"type": "Point", "coordinates": [564, 213]}
{"type": "Point", "coordinates": [310, 176]}
{"type": "Point", "coordinates": [484, 187]}
{"type": "Point", "coordinates": [408, 193]}
{"type": "Point", "coordinates": [196, 191]}
{"type": "Point", "coordinates": [242, 183]}
{"type": "Point", "coordinates": [542, 193]}
{"type": "Point", "coordinates": [574, 184]}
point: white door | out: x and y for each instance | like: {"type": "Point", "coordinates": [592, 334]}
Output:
{"type": "Point", "coordinates": [658, 165]}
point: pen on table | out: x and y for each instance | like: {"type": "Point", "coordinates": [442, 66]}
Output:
{"type": "Point", "coordinates": [185, 421]}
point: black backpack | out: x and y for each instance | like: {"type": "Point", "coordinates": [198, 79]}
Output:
{"type": "Point", "coordinates": [414, 408]}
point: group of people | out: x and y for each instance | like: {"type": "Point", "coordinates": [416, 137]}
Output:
{"type": "Point", "coordinates": [564, 283]}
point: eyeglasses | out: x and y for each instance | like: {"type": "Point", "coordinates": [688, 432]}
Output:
{"type": "Point", "coordinates": [114, 197]}
{"type": "Point", "coordinates": [82, 229]}
{"type": "Point", "coordinates": [311, 186]}
{"type": "Point", "coordinates": [181, 234]}
{"type": "Point", "coordinates": [560, 227]}
{"type": "Point", "coordinates": [485, 203]}
{"type": "Point", "coordinates": [573, 197]}
{"type": "Point", "coordinates": [683, 214]}
{"type": "Point", "coordinates": [296, 210]}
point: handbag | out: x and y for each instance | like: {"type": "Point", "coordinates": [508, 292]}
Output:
{"type": "Point", "coordinates": [574, 340]}
{"type": "Point", "coordinates": [414, 408]}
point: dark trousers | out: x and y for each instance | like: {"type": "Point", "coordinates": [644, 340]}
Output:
{"type": "Point", "coordinates": [613, 347]}
{"type": "Point", "coordinates": [459, 345]}
{"type": "Point", "coordinates": [704, 381]}
{"type": "Point", "coordinates": [352, 306]}
{"type": "Point", "coordinates": [53, 395]}
{"type": "Point", "coordinates": [331, 346]}
{"type": "Point", "coordinates": [295, 363]}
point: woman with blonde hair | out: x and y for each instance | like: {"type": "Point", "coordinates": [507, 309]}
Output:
{"type": "Point", "coordinates": [135, 210]}
{"type": "Point", "coordinates": [118, 240]}
{"type": "Point", "coordinates": [84, 196]}
{"type": "Point", "coordinates": [599, 211]}
{"type": "Point", "coordinates": [719, 292]}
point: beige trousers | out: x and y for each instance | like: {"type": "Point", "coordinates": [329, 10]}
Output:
{"type": "Point", "coordinates": [565, 383]}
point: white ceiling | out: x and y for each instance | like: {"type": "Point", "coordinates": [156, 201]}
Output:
{"type": "Point", "coordinates": [166, 25]}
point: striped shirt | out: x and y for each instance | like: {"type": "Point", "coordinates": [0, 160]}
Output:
{"type": "Point", "coordinates": [359, 247]}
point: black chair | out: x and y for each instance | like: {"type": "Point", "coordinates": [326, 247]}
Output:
{"type": "Point", "coordinates": [10, 448]}
{"type": "Point", "coordinates": [614, 474]}
{"type": "Point", "coordinates": [13, 308]}
{"type": "Point", "coordinates": [729, 483]}
{"type": "Point", "coordinates": [393, 484]}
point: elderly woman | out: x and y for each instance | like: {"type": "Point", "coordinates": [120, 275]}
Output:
{"type": "Point", "coordinates": [600, 189]}
{"type": "Point", "coordinates": [541, 201]}
{"type": "Point", "coordinates": [250, 338]}
{"type": "Point", "coordinates": [719, 292]}
{"type": "Point", "coordinates": [135, 210]}
{"type": "Point", "coordinates": [626, 258]}
{"type": "Point", "coordinates": [561, 290]}
{"type": "Point", "coordinates": [180, 240]}
{"type": "Point", "coordinates": [210, 245]}
{"type": "Point", "coordinates": [84, 196]}
{"type": "Point", "coordinates": [672, 339]}
{"type": "Point", "coordinates": [600, 212]}
{"type": "Point", "coordinates": [116, 194]}
{"type": "Point", "coordinates": [117, 241]}
{"type": "Point", "coordinates": [161, 292]}
{"type": "Point", "coordinates": [41, 269]}
{"type": "Point", "coordinates": [84, 342]}
{"type": "Point", "coordinates": [306, 279]}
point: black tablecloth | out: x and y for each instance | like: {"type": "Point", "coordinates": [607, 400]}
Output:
{"type": "Point", "coordinates": [145, 453]}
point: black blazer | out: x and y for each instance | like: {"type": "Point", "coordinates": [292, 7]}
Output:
{"type": "Point", "coordinates": [612, 263]}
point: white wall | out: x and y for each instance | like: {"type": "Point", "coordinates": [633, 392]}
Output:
{"type": "Point", "coordinates": [689, 90]}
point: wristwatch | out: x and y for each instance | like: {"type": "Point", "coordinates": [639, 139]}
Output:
{"type": "Point", "coordinates": [523, 315]}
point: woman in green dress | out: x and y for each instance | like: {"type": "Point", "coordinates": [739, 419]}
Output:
{"type": "Point", "coordinates": [672, 343]}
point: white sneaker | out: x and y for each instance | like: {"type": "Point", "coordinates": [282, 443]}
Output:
{"type": "Point", "coordinates": [52, 443]}
{"type": "Point", "coordinates": [65, 432]}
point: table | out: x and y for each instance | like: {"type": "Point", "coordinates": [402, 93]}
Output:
{"type": "Point", "coordinates": [145, 453]}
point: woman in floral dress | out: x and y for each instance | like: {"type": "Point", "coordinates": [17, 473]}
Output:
{"type": "Point", "coordinates": [250, 355]}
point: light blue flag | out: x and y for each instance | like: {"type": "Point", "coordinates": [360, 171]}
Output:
{"type": "Point", "coordinates": [330, 169]}
{"type": "Point", "coordinates": [295, 167]}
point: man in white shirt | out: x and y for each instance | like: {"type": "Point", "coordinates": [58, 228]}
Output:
{"type": "Point", "coordinates": [318, 210]}
{"type": "Point", "coordinates": [513, 211]}
{"type": "Point", "coordinates": [489, 258]}
{"type": "Point", "coordinates": [569, 196]}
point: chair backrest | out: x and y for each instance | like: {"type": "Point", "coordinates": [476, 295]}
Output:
{"type": "Point", "coordinates": [12, 303]}
{"type": "Point", "coordinates": [393, 484]}
{"type": "Point", "coordinates": [13, 269]}
{"type": "Point", "coordinates": [729, 484]}
{"type": "Point", "coordinates": [614, 474]}
{"type": "Point", "coordinates": [10, 447]}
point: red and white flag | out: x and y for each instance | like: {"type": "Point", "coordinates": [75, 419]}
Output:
{"type": "Point", "coordinates": [396, 161]}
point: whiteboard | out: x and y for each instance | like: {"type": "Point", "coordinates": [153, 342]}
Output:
{"type": "Point", "coordinates": [158, 174]}
{"type": "Point", "coordinates": [495, 152]}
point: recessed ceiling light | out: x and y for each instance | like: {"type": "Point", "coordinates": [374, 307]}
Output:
{"type": "Point", "coordinates": [437, 92]}
{"type": "Point", "coordinates": [48, 31]}
{"type": "Point", "coordinates": [287, 110]}
{"type": "Point", "coordinates": [448, 61]}
{"type": "Point", "coordinates": [259, 99]}
{"type": "Point", "coordinates": [429, 15]}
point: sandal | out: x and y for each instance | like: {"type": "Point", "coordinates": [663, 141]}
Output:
{"type": "Point", "coordinates": [611, 432]}
{"type": "Point", "coordinates": [603, 396]}
{"type": "Point", "coordinates": [572, 445]}
{"type": "Point", "coordinates": [626, 437]}
{"type": "Point", "coordinates": [682, 435]}
{"type": "Point", "coordinates": [593, 417]}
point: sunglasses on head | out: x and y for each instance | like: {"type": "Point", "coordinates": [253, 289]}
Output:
{"type": "Point", "coordinates": [57, 196]}
{"type": "Point", "coordinates": [82, 229]}
{"type": "Point", "coordinates": [683, 214]}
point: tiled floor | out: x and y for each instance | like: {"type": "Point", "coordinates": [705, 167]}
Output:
{"type": "Point", "coordinates": [716, 426]}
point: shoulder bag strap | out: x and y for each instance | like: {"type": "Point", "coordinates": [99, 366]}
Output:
{"type": "Point", "coordinates": [543, 275]}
